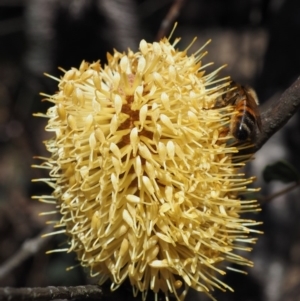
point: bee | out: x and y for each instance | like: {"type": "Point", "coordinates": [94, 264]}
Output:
{"type": "Point", "coordinates": [247, 118]}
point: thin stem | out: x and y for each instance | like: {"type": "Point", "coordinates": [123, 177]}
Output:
{"type": "Point", "coordinates": [29, 248]}
{"type": "Point", "coordinates": [87, 292]}
{"type": "Point", "coordinates": [269, 198]}
{"type": "Point", "coordinates": [170, 18]}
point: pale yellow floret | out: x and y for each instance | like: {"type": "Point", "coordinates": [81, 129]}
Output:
{"type": "Point", "coordinates": [146, 173]}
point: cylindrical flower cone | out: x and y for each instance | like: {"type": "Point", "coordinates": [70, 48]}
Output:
{"type": "Point", "coordinates": [145, 172]}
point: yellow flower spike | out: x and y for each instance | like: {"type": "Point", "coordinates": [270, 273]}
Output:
{"type": "Point", "coordinates": [146, 173]}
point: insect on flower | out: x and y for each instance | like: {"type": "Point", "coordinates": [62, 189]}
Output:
{"type": "Point", "coordinates": [145, 184]}
{"type": "Point", "coordinates": [247, 117]}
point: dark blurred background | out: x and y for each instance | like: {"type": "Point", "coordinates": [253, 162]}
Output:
{"type": "Point", "coordinates": [258, 39]}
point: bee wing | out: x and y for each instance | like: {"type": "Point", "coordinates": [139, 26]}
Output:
{"type": "Point", "coordinates": [253, 104]}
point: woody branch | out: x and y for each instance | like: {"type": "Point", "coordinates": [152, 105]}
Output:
{"type": "Point", "coordinates": [275, 114]}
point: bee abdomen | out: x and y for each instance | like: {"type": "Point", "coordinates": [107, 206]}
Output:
{"type": "Point", "coordinates": [242, 132]}
{"type": "Point", "coordinates": [244, 124]}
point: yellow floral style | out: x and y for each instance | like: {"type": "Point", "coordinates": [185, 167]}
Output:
{"type": "Point", "coordinates": [146, 173]}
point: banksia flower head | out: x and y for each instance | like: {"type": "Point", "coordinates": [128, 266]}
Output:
{"type": "Point", "coordinates": [145, 171]}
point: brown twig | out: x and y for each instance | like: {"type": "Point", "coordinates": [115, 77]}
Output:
{"type": "Point", "coordinates": [29, 248]}
{"type": "Point", "coordinates": [51, 293]}
{"type": "Point", "coordinates": [170, 18]}
{"type": "Point", "coordinates": [123, 22]}
{"type": "Point", "coordinates": [275, 115]}
{"type": "Point", "coordinates": [269, 198]}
